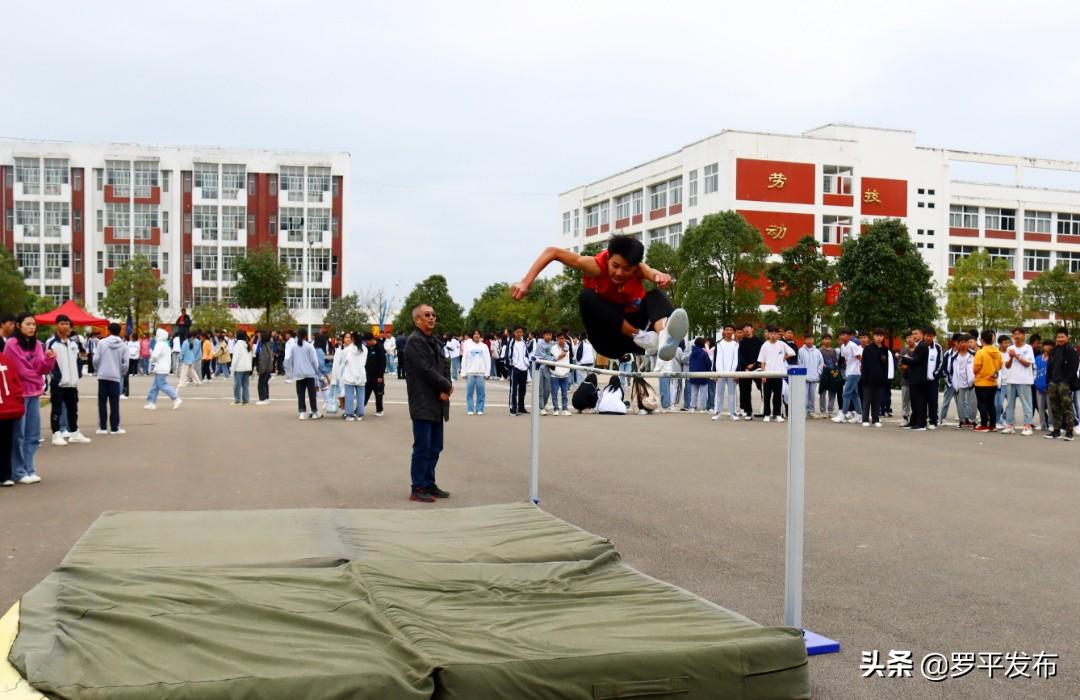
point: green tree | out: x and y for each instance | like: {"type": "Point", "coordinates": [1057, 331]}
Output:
{"type": "Point", "coordinates": [281, 319]}
{"type": "Point", "coordinates": [1055, 291]}
{"type": "Point", "coordinates": [436, 293]}
{"type": "Point", "coordinates": [566, 289]}
{"type": "Point", "coordinates": [981, 294]}
{"type": "Point", "coordinates": [12, 284]}
{"type": "Point", "coordinates": [262, 279]}
{"type": "Point", "coordinates": [213, 316]}
{"type": "Point", "coordinates": [345, 314]}
{"type": "Point", "coordinates": [134, 289]}
{"type": "Point", "coordinates": [799, 280]}
{"type": "Point", "coordinates": [661, 256]}
{"type": "Point", "coordinates": [719, 259]}
{"type": "Point", "coordinates": [495, 309]}
{"type": "Point", "coordinates": [886, 282]}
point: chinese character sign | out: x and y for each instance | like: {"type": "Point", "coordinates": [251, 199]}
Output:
{"type": "Point", "coordinates": [776, 231]}
{"type": "Point", "coordinates": [777, 180]}
{"type": "Point", "coordinates": [871, 197]}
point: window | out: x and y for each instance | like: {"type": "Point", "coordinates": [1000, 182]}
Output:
{"type": "Point", "coordinates": [922, 191]}
{"type": "Point", "coordinates": [959, 252]}
{"type": "Point", "coordinates": [251, 224]}
{"type": "Point", "coordinates": [294, 298]}
{"type": "Point", "coordinates": [334, 266]}
{"type": "Point", "coordinates": [28, 215]}
{"type": "Point", "coordinates": [57, 257]}
{"type": "Point", "coordinates": [229, 254]}
{"type": "Point", "coordinates": [148, 251]}
{"type": "Point", "coordinates": [658, 196]}
{"type": "Point", "coordinates": [164, 180]}
{"type": "Point", "coordinates": [637, 200]}
{"type": "Point", "coordinates": [232, 180]}
{"type": "Point", "coordinates": [930, 205]}
{"type": "Point", "coordinates": [146, 218]}
{"type": "Point", "coordinates": [58, 294]}
{"type": "Point", "coordinates": [28, 172]}
{"type": "Point", "coordinates": [1037, 221]}
{"type": "Point", "coordinates": [1000, 219]}
{"type": "Point", "coordinates": [930, 192]}
{"type": "Point", "coordinates": [675, 191]}
{"type": "Point", "coordinates": [228, 294]}
{"type": "Point", "coordinates": [921, 205]}
{"type": "Point", "coordinates": [206, 178]}
{"type": "Point", "coordinates": [318, 181]}
{"type": "Point", "coordinates": [292, 222]}
{"type": "Point", "coordinates": [1036, 260]}
{"type": "Point", "coordinates": [118, 218]}
{"type": "Point", "coordinates": [835, 229]}
{"type": "Point", "coordinates": [28, 256]}
{"type": "Point", "coordinates": [337, 187]}
{"type": "Point", "coordinates": [206, 219]}
{"type": "Point", "coordinates": [56, 216]}
{"type": "Point", "coordinates": [164, 222]}
{"type": "Point", "coordinates": [712, 178]}
{"type": "Point", "coordinates": [292, 181]}
{"type": "Point", "coordinates": [99, 217]}
{"type": "Point", "coordinates": [319, 298]}
{"type": "Point", "coordinates": [577, 221]}
{"type": "Point", "coordinates": [318, 263]}
{"type": "Point", "coordinates": [592, 216]}
{"type": "Point", "coordinates": [252, 184]}
{"type": "Point", "coordinates": [691, 224]}
{"type": "Point", "coordinates": [100, 261]}
{"type": "Point", "coordinates": [318, 222]}
{"type": "Point", "coordinates": [1068, 224]}
{"type": "Point", "coordinates": [146, 177]}
{"type": "Point", "coordinates": [605, 213]}
{"type": "Point", "coordinates": [205, 295]}
{"type": "Point", "coordinates": [691, 185]}
{"type": "Point", "coordinates": [56, 175]}
{"type": "Point", "coordinates": [837, 179]}
{"type": "Point", "coordinates": [187, 263]}
{"type": "Point", "coordinates": [165, 263]}
{"type": "Point", "coordinates": [187, 224]}
{"type": "Point", "coordinates": [672, 235]}
{"type": "Point", "coordinates": [566, 223]}
{"type": "Point", "coordinates": [273, 224]}
{"type": "Point", "coordinates": [335, 226]}
{"type": "Point", "coordinates": [99, 177]}
{"type": "Point", "coordinates": [78, 221]}
{"type": "Point", "coordinates": [118, 174]}
{"type": "Point", "coordinates": [1071, 260]}
{"type": "Point", "coordinates": [206, 259]}
{"type": "Point", "coordinates": [963, 216]}
{"type": "Point", "coordinates": [76, 181]}
{"type": "Point", "coordinates": [272, 185]}
{"type": "Point", "coordinates": [232, 221]}
{"type": "Point", "coordinates": [9, 215]}
{"type": "Point", "coordinates": [77, 263]}
{"type": "Point", "coordinates": [294, 258]}
{"type": "Point", "coordinates": [1006, 254]}
{"type": "Point", "coordinates": [116, 255]}
{"type": "Point", "coordinates": [622, 207]}
{"type": "Point", "coordinates": [187, 182]}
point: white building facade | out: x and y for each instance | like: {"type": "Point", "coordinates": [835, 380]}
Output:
{"type": "Point", "coordinates": [828, 182]}
{"type": "Point", "coordinates": [74, 213]}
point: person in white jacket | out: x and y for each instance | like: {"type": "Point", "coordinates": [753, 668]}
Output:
{"type": "Point", "coordinates": [349, 370]}
{"type": "Point", "coordinates": [241, 368]}
{"type": "Point", "coordinates": [475, 365]}
{"type": "Point", "coordinates": [160, 364]}
{"type": "Point", "coordinates": [726, 359]}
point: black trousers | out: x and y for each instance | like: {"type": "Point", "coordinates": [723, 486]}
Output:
{"type": "Point", "coordinates": [917, 394]}
{"type": "Point", "coordinates": [984, 397]}
{"type": "Point", "coordinates": [264, 386]}
{"type": "Point", "coordinates": [64, 397]}
{"type": "Point", "coordinates": [603, 321]}
{"type": "Point", "coordinates": [108, 404]}
{"type": "Point", "coordinates": [931, 392]}
{"type": "Point", "coordinates": [746, 395]}
{"type": "Point", "coordinates": [871, 401]}
{"type": "Point", "coordinates": [306, 386]}
{"type": "Point", "coordinates": [774, 392]}
{"type": "Point", "coordinates": [375, 385]}
{"type": "Point", "coordinates": [7, 428]}
{"type": "Point", "coordinates": [519, 378]}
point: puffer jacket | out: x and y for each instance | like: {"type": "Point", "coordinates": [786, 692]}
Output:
{"type": "Point", "coordinates": [353, 364]}
{"type": "Point", "coordinates": [427, 374]}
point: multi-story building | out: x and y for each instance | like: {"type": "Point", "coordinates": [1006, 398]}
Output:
{"type": "Point", "coordinates": [74, 213]}
{"type": "Point", "coordinates": [827, 183]}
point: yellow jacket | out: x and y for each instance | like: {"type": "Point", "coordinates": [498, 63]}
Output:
{"type": "Point", "coordinates": [987, 365]}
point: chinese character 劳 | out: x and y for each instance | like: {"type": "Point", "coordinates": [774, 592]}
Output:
{"type": "Point", "coordinates": [777, 181]}
{"type": "Point", "coordinates": [871, 196]}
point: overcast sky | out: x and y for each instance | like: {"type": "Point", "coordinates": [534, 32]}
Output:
{"type": "Point", "coordinates": [465, 119]}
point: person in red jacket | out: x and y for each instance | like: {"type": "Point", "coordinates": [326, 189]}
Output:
{"type": "Point", "coordinates": [31, 362]}
{"type": "Point", "coordinates": [12, 409]}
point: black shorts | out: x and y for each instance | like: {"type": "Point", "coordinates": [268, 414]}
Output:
{"type": "Point", "coordinates": [603, 321]}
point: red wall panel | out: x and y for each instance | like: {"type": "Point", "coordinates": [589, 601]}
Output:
{"type": "Point", "coordinates": [185, 208]}
{"type": "Point", "coordinates": [838, 200]}
{"type": "Point", "coordinates": [622, 223]}
{"type": "Point", "coordinates": [637, 218]}
{"type": "Point", "coordinates": [754, 181]}
{"type": "Point", "coordinates": [1038, 237]}
{"type": "Point", "coordinates": [1007, 235]}
{"type": "Point", "coordinates": [674, 209]}
{"type": "Point", "coordinates": [657, 214]}
{"type": "Point", "coordinates": [768, 295]}
{"type": "Point", "coordinates": [780, 230]}
{"type": "Point", "coordinates": [6, 240]}
{"type": "Point", "coordinates": [336, 209]}
{"type": "Point", "coordinates": [883, 197]}
{"type": "Point", "coordinates": [78, 237]}
{"type": "Point", "coordinates": [1064, 238]}
{"type": "Point", "coordinates": [964, 232]}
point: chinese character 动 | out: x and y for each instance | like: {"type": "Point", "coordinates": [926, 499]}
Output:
{"type": "Point", "coordinates": [777, 181]}
{"type": "Point", "coordinates": [871, 196]}
{"type": "Point", "coordinates": [776, 232]}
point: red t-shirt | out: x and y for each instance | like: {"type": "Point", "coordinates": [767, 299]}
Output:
{"type": "Point", "coordinates": [630, 294]}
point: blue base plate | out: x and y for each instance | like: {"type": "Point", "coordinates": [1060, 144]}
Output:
{"type": "Point", "coordinates": [816, 644]}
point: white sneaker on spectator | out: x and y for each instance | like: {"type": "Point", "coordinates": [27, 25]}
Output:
{"type": "Point", "coordinates": [58, 439]}
{"type": "Point", "coordinates": [838, 418]}
{"type": "Point", "coordinates": [716, 416]}
{"type": "Point", "coordinates": [565, 413]}
{"type": "Point", "coordinates": [1027, 430]}
{"type": "Point", "coordinates": [78, 437]}
{"type": "Point", "coordinates": [177, 402]}
{"type": "Point", "coordinates": [101, 431]}
{"type": "Point", "coordinates": [26, 480]}
{"type": "Point", "coordinates": [303, 416]}
{"type": "Point", "coordinates": [779, 419]}
{"type": "Point", "coordinates": [9, 482]}
{"type": "Point", "coordinates": [261, 403]}
{"type": "Point", "coordinates": [65, 434]}
{"type": "Point", "coordinates": [150, 407]}
{"type": "Point", "coordinates": [766, 419]}
{"type": "Point", "coordinates": [118, 431]}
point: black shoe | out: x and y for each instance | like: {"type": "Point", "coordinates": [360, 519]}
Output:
{"type": "Point", "coordinates": [522, 412]}
{"type": "Point", "coordinates": [1053, 436]}
{"type": "Point", "coordinates": [421, 495]}
{"type": "Point", "coordinates": [1068, 436]}
{"type": "Point", "coordinates": [437, 492]}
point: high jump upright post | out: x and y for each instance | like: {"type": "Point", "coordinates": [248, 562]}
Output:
{"type": "Point", "coordinates": [796, 477]}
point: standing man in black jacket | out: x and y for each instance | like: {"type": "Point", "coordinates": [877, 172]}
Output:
{"type": "Point", "coordinates": [749, 347]}
{"type": "Point", "coordinates": [916, 366]}
{"type": "Point", "coordinates": [375, 368]}
{"type": "Point", "coordinates": [1061, 381]}
{"type": "Point", "coordinates": [427, 381]}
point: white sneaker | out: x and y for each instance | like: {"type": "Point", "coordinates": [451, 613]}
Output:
{"type": "Point", "coordinates": [378, 414]}
{"type": "Point", "coordinates": [34, 479]}
{"type": "Point", "coordinates": [261, 403]}
{"type": "Point", "coordinates": [838, 418]}
{"type": "Point", "coordinates": [877, 425]}
{"type": "Point", "coordinates": [26, 480]}
{"type": "Point", "coordinates": [554, 413]}
{"type": "Point", "coordinates": [766, 419]}
{"type": "Point", "coordinates": [58, 439]}
{"type": "Point", "coordinates": [566, 413]}
{"type": "Point", "coordinates": [177, 403]}
{"type": "Point", "coordinates": [101, 431]}
{"type": "Point", "coordinates": [647, 341]}
{"type": "Point", "coordinates": [676, 328]}
{"type": "Point", "coordinates": [1027, 430]}
{"type": "Point", "coordinates": [931, 427]}
{"type": "Point", "coordinates": [9, 482]}
{"type": "Point", "coordinates": [543, 411]}
{"type": "Point", "coordinates": [350, 419]}
{"type": "Point", "coordinates": [150, 407]}
{"type": "Point", "coordinates": [118, 431]}
{"type": "Point", "coordinates": [1007, 431]}
{"type": "Point", "coordinates": [78, 437]}
{"type": "Point", "coordinates": [316, 416]}
{"type": "Point", "coordinates": [779, 419]}
{"type": "Point", "coordinates": [716, 416]}
{"type": "Point", "coordinates": [691, 411]}
{"type": "Point", "coordinates": [865, 424]}
{"type": "Point", "coordinates": [468, 413]}
{"type": "Point", "coordinates": [65, 434]}
{"type": "Point", "coordinates": [303, 416]}
{"type": "Point", "coordinates": [735, 418]}
{"type": "Point", "coordinates": [123, 398]}
{"type": "Point", "coordinates": [479, 413]}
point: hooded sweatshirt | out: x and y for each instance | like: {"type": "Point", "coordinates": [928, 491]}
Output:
{"type": "Point", "coordinates": [161, 357]}
{"type": "Point", "coordinates": [353, 361]}
{"type": "Point", "coordinates": [30, 365]}
{"type": "Point", "coordinates": [475, 358]}
{"type": "Point", "coordinates": [111, 359]}
{"type": "Point", "coordinates": [241, 357]}
{"type": "Point", "coordinates": [987, 365]}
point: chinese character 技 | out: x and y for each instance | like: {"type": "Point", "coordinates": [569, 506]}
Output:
{"type": "Point", "coordinates": [871, 196]}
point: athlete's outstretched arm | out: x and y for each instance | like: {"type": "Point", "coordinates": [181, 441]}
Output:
{"type": "Point", "coordinates": [661, 279]}
{"type": "Point", "coordinates": [585, 263]}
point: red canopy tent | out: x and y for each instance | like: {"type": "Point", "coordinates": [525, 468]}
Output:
{"type": "Point", "coordinates": [74, 312]}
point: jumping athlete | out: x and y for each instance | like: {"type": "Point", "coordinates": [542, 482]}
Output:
{"type": "Point", "coordinates": [619, 315]}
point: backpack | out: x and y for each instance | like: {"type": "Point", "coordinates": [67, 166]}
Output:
{"type": "Point", "coordinates": [645, 395]}
{"type": "Point", "coordinates": [12, 406]}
